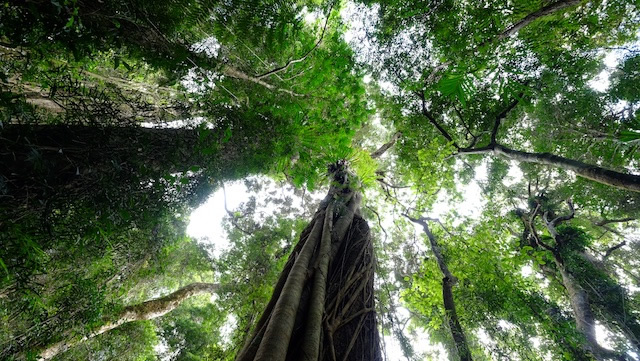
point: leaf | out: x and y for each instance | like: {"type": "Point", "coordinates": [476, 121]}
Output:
{"type": "Point", "coordinates": [629, 135]}
{"type": "Point", "coordinates": [227, 135]}
{"type": "Point", "coordinates": [4, 266]}
{"type": "Point", "coordinates": [69, 23]}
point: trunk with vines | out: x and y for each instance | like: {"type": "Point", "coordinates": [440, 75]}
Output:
{"type": "Point", "coordinates": [322, 307]}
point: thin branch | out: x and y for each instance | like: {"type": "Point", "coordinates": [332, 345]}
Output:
{"type": "Point", "coordinates": [613, 249]}
{"type": "Point", "coordinates": [237, 74]}
{"type": "Point", "coordinates": [290, 62]}
{"type": "Point", "coordinates": [232, 215]}
{"type": "Point", "coordinates": [435, 123]}
{"type": "Point", "coordinates": [501, 116]}
{"type": "Point", "coordinates": [534, 233]}
{"type": "Point", "coordinates": [380, 151]}
{"type": "Point", "coordinates": [605, 221]}
{"type": "Point", "coordinates": [386, 236]}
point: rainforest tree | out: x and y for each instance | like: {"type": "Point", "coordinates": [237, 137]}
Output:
{"type": "Point", "coordinates": [506, 130]}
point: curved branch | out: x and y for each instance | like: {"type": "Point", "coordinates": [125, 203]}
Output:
{"type": "Point", "coordinates": [547, 10]}
{"type": "Point", "coordinates": [301, 59]}
{"type": "Point", "coordinates": [502, 115]}
{"type": "Point", "coordinates": [147, 310]}
{"type": "Point", "coordinates": [630, 182]}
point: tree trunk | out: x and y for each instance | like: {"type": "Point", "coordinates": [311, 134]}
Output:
{"type": "Point", "coordinates": [630, 182]}
{"type": "Point", "coordinates": [380, 151]}
{"type": "Point", "coordinates": [448, 281]}
{"type": "Point", "coordinates": [579, 300]}
{"type": "Point", "coordinates": [322, 307]}
{"type": "Point", "coordinates": [144, 311]}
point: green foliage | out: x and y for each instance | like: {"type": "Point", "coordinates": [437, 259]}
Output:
{"type": "Point", "coordinates": [118, 118]}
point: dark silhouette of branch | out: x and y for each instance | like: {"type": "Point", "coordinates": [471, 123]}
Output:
{"type": "Point", "coordinates": [612, 249]}
{"type": "Point", "coordinates": [501, 116]}
{"type": "Point", "coordinates": [232, 215]}
{"type": "Point", "coordinates": [604, 222]}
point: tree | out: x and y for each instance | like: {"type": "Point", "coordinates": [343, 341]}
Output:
{"type": "Point", "coordinates": [448, 281]}
{"type": "Point", "coordinates": [118, 118]}
{"type": "Point", "coordinates": [325, 289]}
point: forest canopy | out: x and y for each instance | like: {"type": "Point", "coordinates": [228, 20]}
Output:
{"type": "Point", "coordinates": [385, 180]}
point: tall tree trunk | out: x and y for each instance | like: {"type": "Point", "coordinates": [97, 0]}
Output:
{"type": "Point", "coordinates": [581, 303]}
{"type": "Point", "coordinates": [322, 307]}
{"type": "Point", "coordinates": [630, 182]}
{"type": "Point", "coordinates": [614, 300]}
{"type": "Point", "coordinates": [144, 311]}
{"type": "Point", "coordinates": [579, 300]}
{"type": "Point", "coordinates": [448, 281]}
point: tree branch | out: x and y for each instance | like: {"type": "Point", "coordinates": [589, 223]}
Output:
{"type": "Point", "coordinates": [501, 116]}
{"type": "Point", "coordinates": [290, 62]}
{"type": "Point", "coordinates": [147, 310]}
{"type": "Point", "coordinates": [605, 221]}
{"type": "Point", "coordinates": [380, 151]}
{"type": "Point", "coordinates": [435, 123]}
{"type": "Point", "coordinates": [547, 10]}
{"type": "Point", "coordinates": [612, 249]}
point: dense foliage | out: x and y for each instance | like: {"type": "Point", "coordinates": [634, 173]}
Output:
{"type": "Point", "coordinates": [495, 143]}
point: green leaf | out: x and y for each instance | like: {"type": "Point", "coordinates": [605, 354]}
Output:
{"type": "Point", "coordinates": [69, 23]}
{"type": "Point", "coordinates": [629, 135]}
{"type": "Point", "coordinates": [4, 266]}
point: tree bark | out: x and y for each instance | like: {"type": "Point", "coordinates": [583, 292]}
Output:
{"type": "Point", "coordinates": [144, 311]}
{"type": "Point", "coordinates": [630, 182]}
{"type": "Point", "coordinates": [579, 299]}
{"type": "Point", "coordinates": [322, 307]}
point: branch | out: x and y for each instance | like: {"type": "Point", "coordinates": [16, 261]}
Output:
{"type": "Point", "coordinates": [534, 233]}
{"type": "Point", "coordinates": [510, 31]}
{"type": "Point", "coordinates": [572, 212]}
{"type": "Point", "coordinates": [435, 123]}
{"type": "Point", "coordinates": [233, 216]}
{"type": "Point", "coordinates": [380, 151]}
{"type": "Point", "coordinates": [147, 310]}
{"type": "Point", "coordinates": [435, 248]}
{"type": "Point", "coordinates": [381, 180]}
{"type": "Point", "coordinates": [502, 115]}
{"type": "Point", "coordinates": [237, 74]}
{"type": "Point", "coordinates": [613, 248]}
{"type": "Point", "coordinates": [605, 221]}
{"type": "Point", "coordinates": [547, 10]}
{"type": "Point", "coordinates": [290, 62]}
